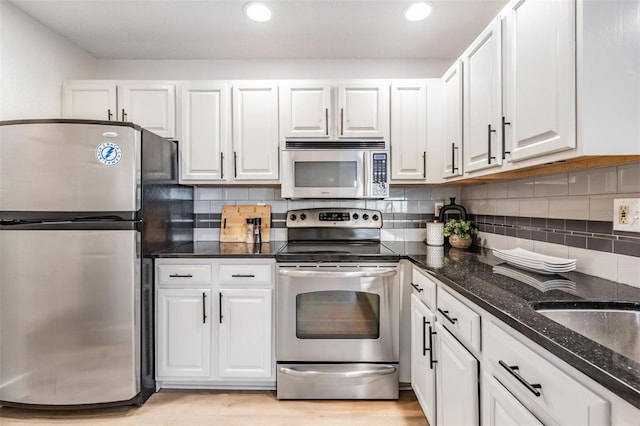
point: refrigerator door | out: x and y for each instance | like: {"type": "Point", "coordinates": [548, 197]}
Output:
{"type": "Point", "coordinates": [69, 316]}
{"type": "Point", "coordinates": [69, 167]}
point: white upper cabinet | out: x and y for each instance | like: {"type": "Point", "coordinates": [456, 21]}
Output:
{"type": "Point", "coordinates": [150, 105]}
{"type": "Point", "coordinates": [452, 99]}
{"type": "Point", "coordinates": [205, 131]}
{"type": "Point", "coordinates": [255, 131]}
{"type": "Point", "coordinates": [409, 130]}
{"type": "Point", "coordinates": [540, 76]}
{"type": "Point", "coordinates": [304, 110]}
{"type": "Point", "coordinates": [363, 110]}
{"type": "Point", "coordinates": [90, 100]}
{"type": "Point", "coordinates": [483, 100]}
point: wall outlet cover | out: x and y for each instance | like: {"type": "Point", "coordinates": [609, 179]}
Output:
{"type": "Point", "coordinates": [626, 214]}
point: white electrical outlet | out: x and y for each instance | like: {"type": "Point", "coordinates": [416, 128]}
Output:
{"type": "Point", "coordinates": [438, 206]}
{"type": "Point", "coordinates": [626, 214]}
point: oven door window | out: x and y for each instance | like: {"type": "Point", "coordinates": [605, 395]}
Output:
{"type": "Point", "coordinates": [338, 314]}
{"type": "Point", "coordinates": [325, 174]}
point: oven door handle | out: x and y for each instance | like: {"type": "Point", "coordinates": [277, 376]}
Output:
{"type": "Point", "coordinates": [383, 371]}
{"type": "Point", "coordinates": [383, 272]}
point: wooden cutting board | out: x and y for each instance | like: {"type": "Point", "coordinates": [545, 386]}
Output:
{"type": "Point", "coordinates": [233, 222]}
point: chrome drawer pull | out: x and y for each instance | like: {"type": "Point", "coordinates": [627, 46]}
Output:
{"type": "Point", "coordinates": [512, 369]}
{"type": "Point", "coordinates": [446, 315]}
{"type": "Point", "coordinates": [243, 276]}
{"type": "Point", "coordinates": [416, 287]}
{"type": "Point", "coordinates": [180, 276]}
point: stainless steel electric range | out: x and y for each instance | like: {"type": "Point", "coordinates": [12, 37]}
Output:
{"type": "Point", "coordinates": [337, 316]}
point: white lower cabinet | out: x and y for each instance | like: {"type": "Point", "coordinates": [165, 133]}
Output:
{"type": "Point", "coordinates": [457, 381]}
{"type": "Point", "coordinates": [423, 373]}
{"type": "Point", "coordinates": [245, 333]}
{"type": "Point", "coordinates": [212, 330]}
{"type": "Point", "coordinates": [500, 408]}
{"type": "Point", "coordinates": [184, 333]}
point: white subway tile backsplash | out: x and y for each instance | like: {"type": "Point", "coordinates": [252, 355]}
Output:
{"type": "Point", "coordinates": [601, 207]}
{"type": "Point", "coordinates": [278, 206]}
{"type": "Point", "coordinates": [521, 188]}
{"type": "Point", "coordinates": [300, 204]}
{"type": "Point", "coordinates": [550, 249]}
{"type": "Point", "coordinates": [354, 204]}
{"type": "Point", "coordinates": [425, 207]}
{"type": "Point", "coordinates": [598, 263]}
{"type": "Point", "coordinates": [216, 206]}
{"type": "Point", "coordinates": [400, 206]}
{"type": "Point", "coordinates": [412, 206]}
{"type": "Point", "coordinates": [481, 206]}
{"type": "Point", "coordinates": [520, 243]}
{"type": "Point", "coordinates": [498, 190]}
{"type": "Point", "coordinates": [415, 234]}
{"type": "Point", "coordinates": [549, 186]}
{"type": "Point", "coordinates": [417, 193]}
{"type": "Point", "coordinates": [534, 207]}
{"type": "Point", "coordinates": [202, 207]}
{"type": "Point", "coordinates": [206, 234]}
{"type": "Point", "coordinates": [204, 193]}
{"type": "Point", "coordinates": [569, 207]}
{"type": "Point", "coordinates": [392, 234]}
{"type": "Point", "coordinates": [236, 193]}
{"type": "Point", "coordinates": [396, 193]}
{"type": "Point", "coordinates": [261, 194]}
{"type": "Point", "coordinates": [507, 207]}
{"type": "Point", "coordinates": [278, 234]}
{"type": "Point", "coordinates": [325, 204]}
{"type": "Point", "coordinates": [629, 270]}
{"type": "Point", "coordinates": [443, 193]}
{"type": "Point", "coordinates": [602, 180]}
{"type": "Point", "coordinates": [629, 177]}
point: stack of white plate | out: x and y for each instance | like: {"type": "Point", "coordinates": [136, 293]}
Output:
{"type": "Point", "coordinates": [540, 282]}
{"type": "Point", "coordinates": [535, 262]}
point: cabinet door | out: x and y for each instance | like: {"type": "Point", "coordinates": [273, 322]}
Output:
{"type": "Point", "coordinates": [540, 77]}
{"type": "Point", "coordinates": [205, 131]}
{"type": "Point", "coordinates": [245, 333]}
{"type": "Point", "coordinates": [91, 100]}
{"type": "Point", "coordinates": [409, 130]}
{"type": "Point", "coordinates": [304, 110]}
{"type": "Point", "coordinates": [150, 105]}
{"type": "Point", "coordinates": [500, 408]}
{"type": "Point", "coordinates": [483, 100]}
{"type": "Point", "coordinates": [184, 333]}
{"type": "Point", "coordinates": [423, 375]}
{"type": "Point", "coordinates": [255, 131]}
{"type": "Point", "coordinates": [452, 81]}
{"type": "Point", "coordinates": [457, 382]}
{"type": "Point", "coordinates": [363, 110]}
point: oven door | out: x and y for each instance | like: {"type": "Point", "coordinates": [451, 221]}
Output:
{"type": "Point", "coordinates": [337, 313]}
{"type": "Point", "coordinates": [324, 173]}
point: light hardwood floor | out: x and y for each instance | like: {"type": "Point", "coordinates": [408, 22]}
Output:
{"type": "Point", "coordinates": [230, 408]}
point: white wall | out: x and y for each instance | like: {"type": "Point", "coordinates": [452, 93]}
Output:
{"type": "Point", "coordinates": [33, 62]}
{"type": "Point", "coordinates": [268, 69]}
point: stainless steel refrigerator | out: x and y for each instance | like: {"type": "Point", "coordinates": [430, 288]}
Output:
{"type": "Point", "coordinates": [81, 204]}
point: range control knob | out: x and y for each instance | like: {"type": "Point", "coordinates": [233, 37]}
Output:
{"type": "Point", "coordinates": [375, 217]}
{"type": "Point", "coordinates": [365, 216]}
{"type": "Point", "coordinates": [355, 216]}
{"type": "Point", "coordinates": [303, 216]}
{"type": "Point", "coordinates": [292, 217]}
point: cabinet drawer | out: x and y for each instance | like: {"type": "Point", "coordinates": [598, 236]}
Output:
{"type": "Point", "coordinates": [184, 274]}
{"type": "Point", "coordinates": [245, 274]}
{"type": "Point", "coordinates": [459, 319]}
{"type": "Point", "coordinates": [424, 288]}
{"type": "Point", "coordinates": [557, 395]}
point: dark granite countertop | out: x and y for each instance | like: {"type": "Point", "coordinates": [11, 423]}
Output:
{"type": "Point", "coordinates": [213, 249]}
{"type": "Point", "coordinates": [471, 274]}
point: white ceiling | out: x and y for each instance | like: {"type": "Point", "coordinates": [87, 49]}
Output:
{"type": "Point", "coordinates": [307, 29]}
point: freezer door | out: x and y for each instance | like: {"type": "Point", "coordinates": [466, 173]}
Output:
{"type": "Point", "coordinates": [69, 167]}
{"type": "Point", "coordinates": [69, 316]}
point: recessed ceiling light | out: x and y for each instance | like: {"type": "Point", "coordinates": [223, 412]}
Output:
{"type": "Point", "coordinates": [257, 11]}
{"type": "Point", "coordinates": [417, 12]}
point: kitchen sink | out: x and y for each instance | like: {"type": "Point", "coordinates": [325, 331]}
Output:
{"type": "Point", "coordinates": [615, 325]}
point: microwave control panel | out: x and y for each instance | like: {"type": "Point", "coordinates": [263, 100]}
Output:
{"type": "Point", "coordinates": [380, 164]}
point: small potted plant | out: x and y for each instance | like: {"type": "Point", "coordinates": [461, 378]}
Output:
{"type": "Point", "coordinates": [459, 232]}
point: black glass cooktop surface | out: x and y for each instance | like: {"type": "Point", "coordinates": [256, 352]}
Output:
{"type": "Point", "coordinates": [336, 252]}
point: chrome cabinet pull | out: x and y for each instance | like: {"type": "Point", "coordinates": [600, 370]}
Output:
{"type": "Point", "coordinates": [109, 114]}
{"type": "Point", "coordinates": [326, 121]}
{"type": "Point", "coordinates": [180, 276]}
{"type": "Point", "coordinates": [504, 143]}
{"type": "Point", "coordinates": [243, 276]}
{"type": "Point", "coordinates": [220, 307]}
{"type": "Point", "coordinates": [513, 370]}
{"type": "Point", "coordinates": [204, 308]}
{"type": "Point", "coordinates": [124, 115]}
{"type": "Point", "coordinates": [489, 156]}
{"type": "Point", "coordinates": [235, 164]}
{"type": "Point", "coordinates": [341, 121]}
{"type": "Point", "coordinates": [221, 165]}
{"type": "Point", "coordinates": [424, 164]}
{"type": "Point", "coordinates": [446, 315]}
{"type": "Point", "coordinates": [454, 169]}
{"type": "Point", "coordinates": [416, 287]}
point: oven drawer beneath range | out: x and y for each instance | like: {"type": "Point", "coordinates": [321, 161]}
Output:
{"type": "Point", "coordinates": [337, 381]}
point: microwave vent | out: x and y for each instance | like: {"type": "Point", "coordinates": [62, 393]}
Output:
{"type": "Point", "coordinates": [336, 144]}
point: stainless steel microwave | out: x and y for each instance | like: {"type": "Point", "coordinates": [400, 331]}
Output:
{"type": "Point", "coordinates": [335, 169]}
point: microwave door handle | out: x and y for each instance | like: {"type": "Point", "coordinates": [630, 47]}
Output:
{"type": "Point", "coordinates": [382, 272]}
{"type": "Point", "coordinates": [365, 182]}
